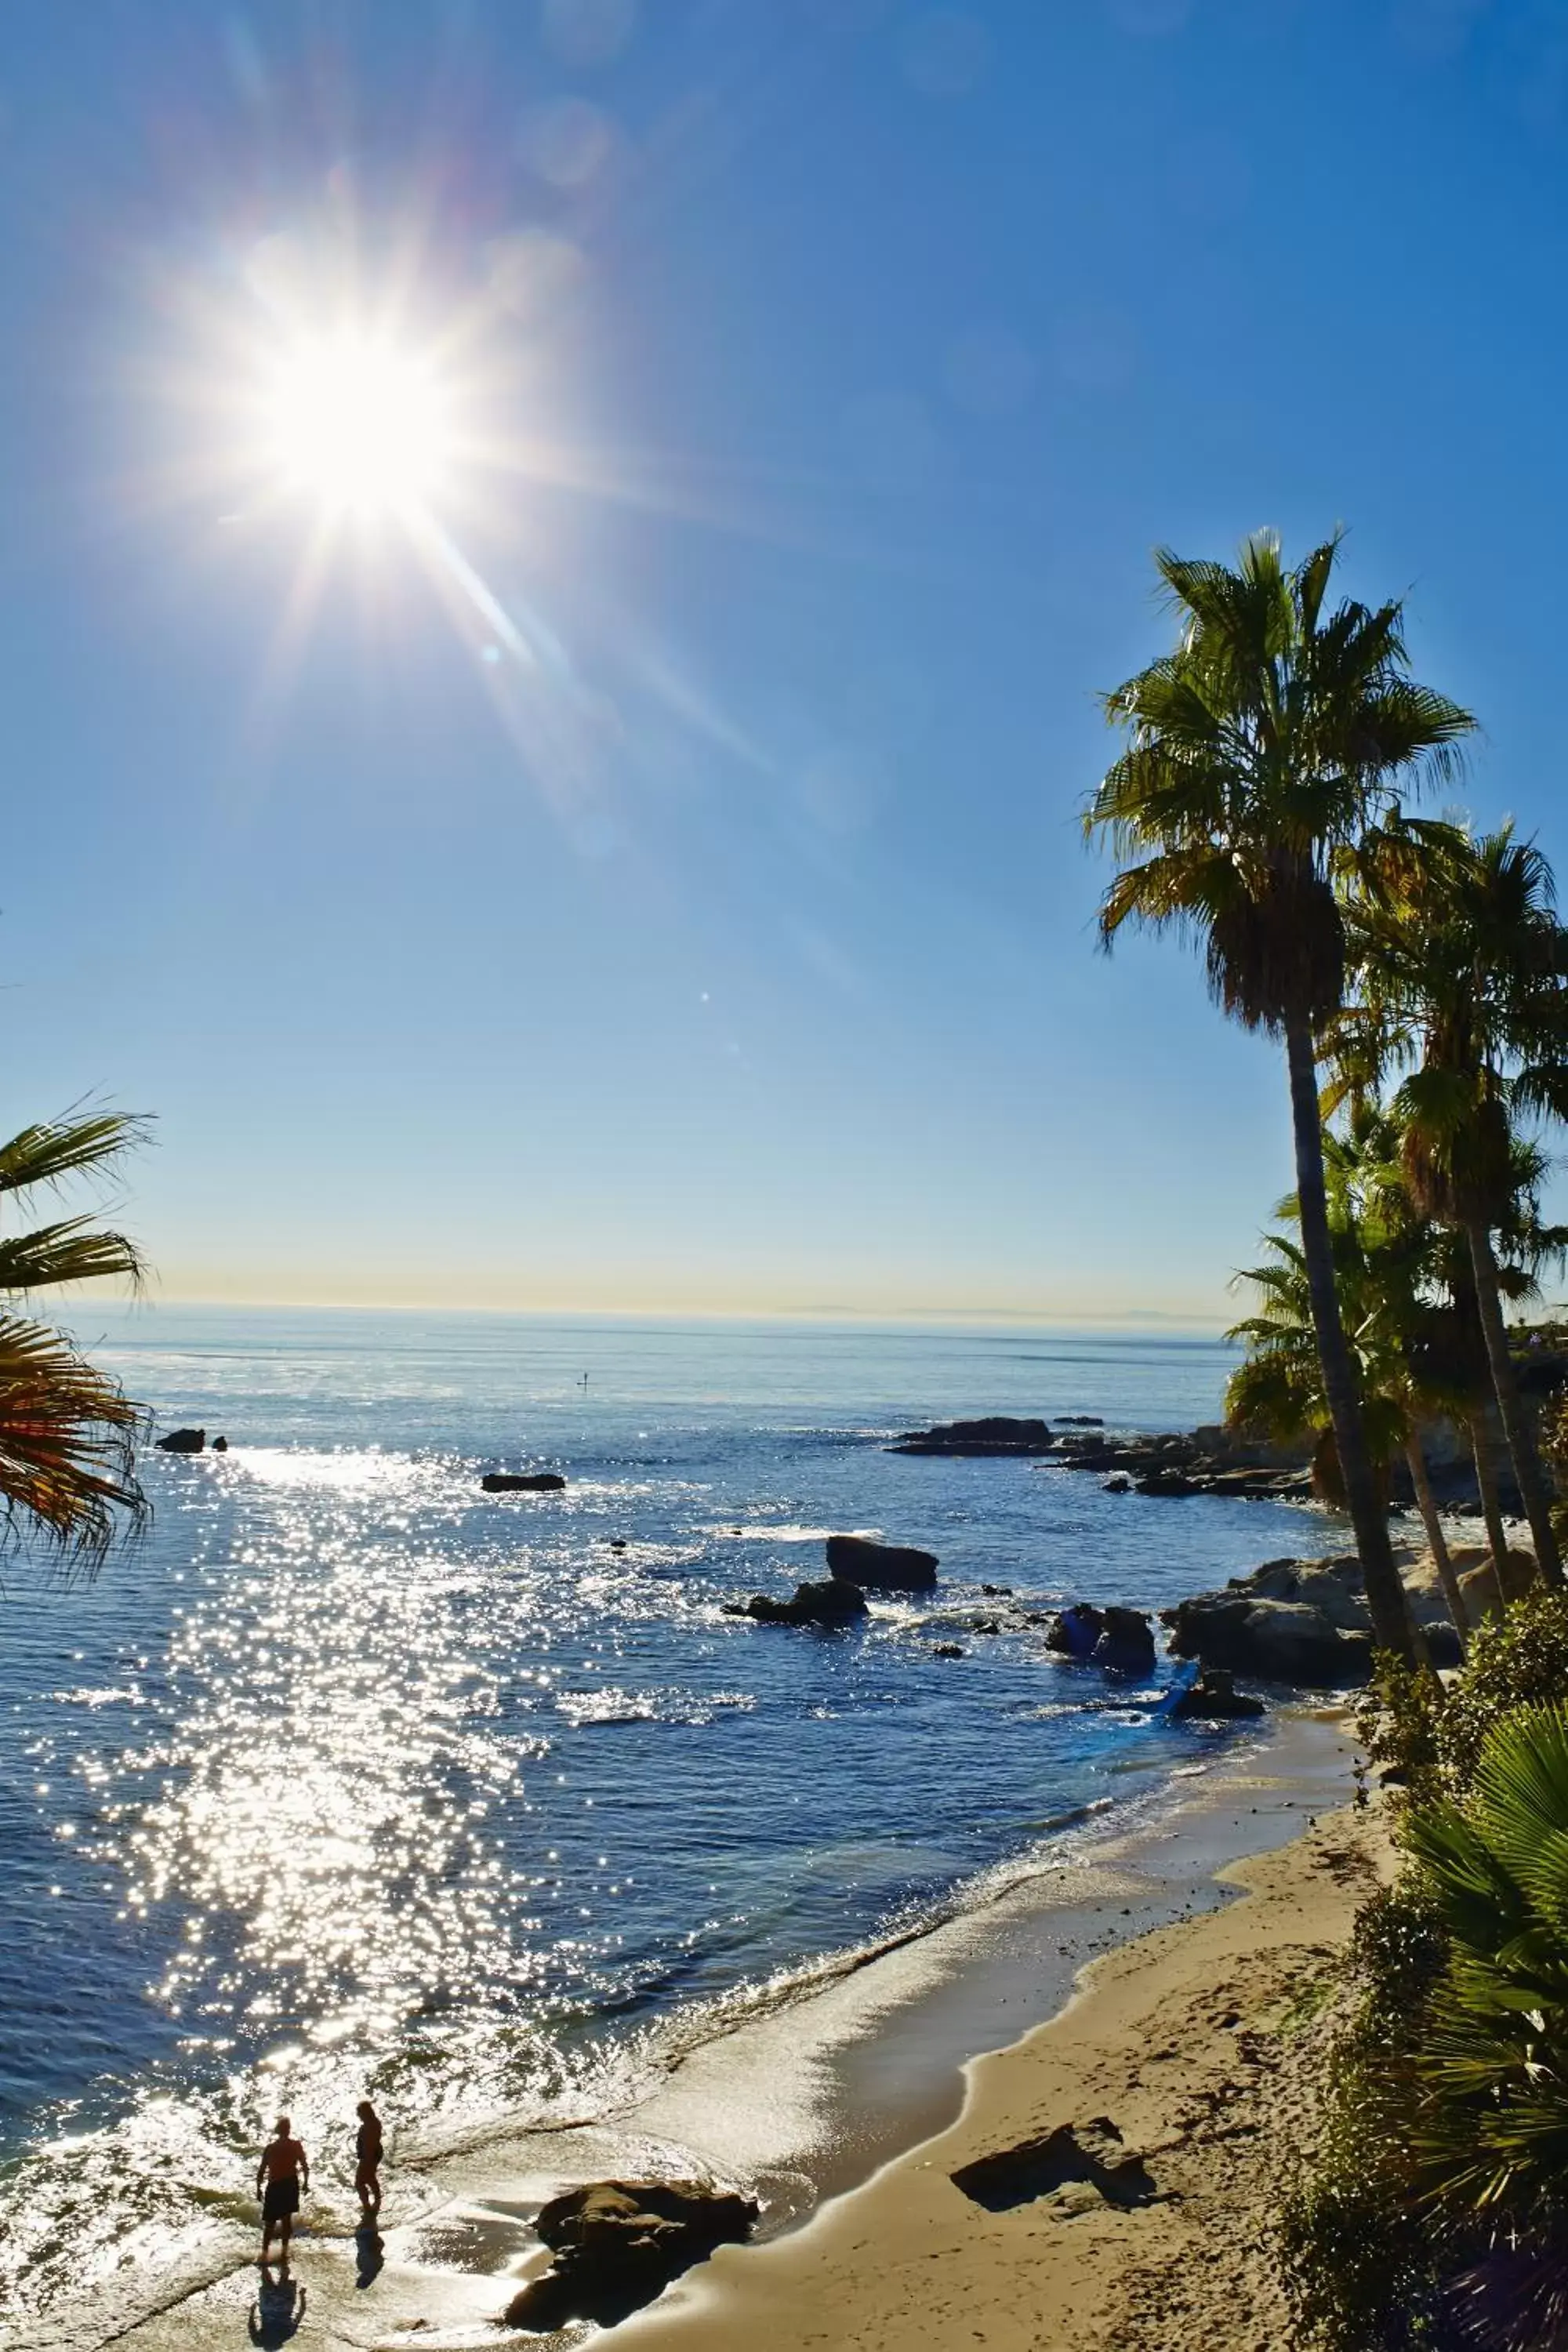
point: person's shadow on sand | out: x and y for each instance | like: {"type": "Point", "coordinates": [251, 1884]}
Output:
{"type": "Point", "coordinates": [278, 2311]}
{"type": "Point", "coordinates": [369, 2253]}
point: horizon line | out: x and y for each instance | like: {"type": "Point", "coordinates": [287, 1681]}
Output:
{"type": "Point", "coordinates": [968, 1316]}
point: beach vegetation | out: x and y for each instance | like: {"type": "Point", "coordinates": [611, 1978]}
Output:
{"type": "Point", "coordinates": [68, 1433]}
{"type": "Point", "coordinates": [1460, 978]}
{"type": "Point", "coordinates": [1258, 755]}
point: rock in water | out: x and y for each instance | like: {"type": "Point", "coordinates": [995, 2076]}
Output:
{"type": "Point", "coordinates": [996, 1433]}
{"type": "Point", "coordinates": [617, 2243]}
{"type": "Point", "coordinates": [879, 1567]}
{"type": "Point", "coordinates": [183, 1441]}
{"type": "Point", "coordinates": [1213, 1697]}
{"type": "Point", "coordinates": [1119, 1639]}
{"type": "Point", "coordinates": [831, 1603]}
{"type": "Point", "coordinates": [1074, 1631]}
{"type": "Point", "coordinates": [1126, 1642]}
{"type": "Point", "coordinates": [532, 1482]}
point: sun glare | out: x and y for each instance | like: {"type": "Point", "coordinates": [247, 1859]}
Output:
{"type": "Point", "coordinates": [358, 426]}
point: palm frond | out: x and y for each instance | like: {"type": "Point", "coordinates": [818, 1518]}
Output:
{"type": "Point", "coordinates": [55, 1148]}
{"type": "Point", "coordinates": [68, 1445]}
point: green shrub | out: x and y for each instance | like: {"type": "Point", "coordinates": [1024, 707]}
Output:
{"type": "Point", "coordinates": [1435, 2210]}
{"type": "Point", "coordinates": [1355, 2252]}
{"type": "Point", "coordinates": [1518, 1660]}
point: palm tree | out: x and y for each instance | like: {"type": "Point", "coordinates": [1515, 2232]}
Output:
{"type": "Point", "coordinates": [1382, 1267]}
{"type": "Point", "coordinates": [1258, 751]}
{"type": "Point", "coordinates": [67, 1432]}
{"type": "Point", "coordinates": [1464, 966]}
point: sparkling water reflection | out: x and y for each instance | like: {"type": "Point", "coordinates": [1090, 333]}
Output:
{"type": "Point", "coordinates": [357, 1778]}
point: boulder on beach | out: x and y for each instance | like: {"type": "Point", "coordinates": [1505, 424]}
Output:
{"type": "Point", "coordinates": [220, 1446]}
{"type": "Point", "coordinates": [183, 1441]}
{"type": "Point", "coordinates": [526, 1481]}
{"type": "Point", "coordinates": [1485, 1593]}
{"type": "Point", "coordinates": [995, 1432]}
{"type": "Point", "coordinates": [1213, 1697]}
{"type": "Point", "coordinates": [831, 1603]}
{"type": "Point", "coordinates": [879, 1567]}
{"type": "Point", "coordinates": [1277, 1641]}
{"type": "Point", "coordinates": [617, 2243]}
{"type": "Point", "coordinates": [1119, 1639]}
{"type": "Point", "coordinates": [1306, 1620]}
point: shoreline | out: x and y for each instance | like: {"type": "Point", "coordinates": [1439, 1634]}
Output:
{"type": "Point", "coordinates": [812, 2101]}
{"type": "Point", "coordinates": [1180, 2043]}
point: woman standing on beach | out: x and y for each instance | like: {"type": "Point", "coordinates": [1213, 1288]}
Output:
{"type": "Point", "coordinates": [367, 2160]}
{"type": "Point", "coordinates": [283, 2160]}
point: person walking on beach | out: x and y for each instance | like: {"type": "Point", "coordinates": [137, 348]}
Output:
{"type": "Point", "coordinates": [278, 2177]}
{"type": "Point", "coordinates": [367, 2160]}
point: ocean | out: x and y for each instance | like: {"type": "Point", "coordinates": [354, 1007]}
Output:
{"type": "Point", "coordinates": [350, 1779]}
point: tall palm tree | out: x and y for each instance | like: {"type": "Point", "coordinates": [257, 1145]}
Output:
{"type": "Point", "coordinates": [67, 1432]}
{"type": "Point", "coordinates": [1383, 1257]}
{"type": "Point", "coordinates": [1464, 966]}
{"type": "Point", "coordinates": [1258, 751]}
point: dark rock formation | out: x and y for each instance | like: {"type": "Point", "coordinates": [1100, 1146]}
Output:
{"type": "Point", "coordinates": [1209, 1462]}
{"type": "Point", "coordinates": [1119, 1639]}
{"type": "Point", "coordinates": [183, 1441]}
{"type": "Point", "coordinates": [879, 1567]}
{"type": "Point", "coordinates": [529, 1482]}
{"type": "Point", "coordinates": [948, 1650]}
{"type": "Point", "coordinates": [832, 1602]}
{"type": "Point", "coordinates": [997, 1591]}
{"type": "Point", "coordinates": [617, 2243]}
{"type": "Point", "coordinates": [1079, 1421]}
{"type": "Point", "coordinates": [220, 1446]}
{"type": "Point", "coordinates": [1126, 1645]}
{"type": "Point", "coordinates": [1276, 1641]}
{"type": "Point", "coordinates": [1213, 1697]}
{"type": "Point", "coordinates": [1120, 1485]}
{"type": "Point", "coordinates": [1090, 2155]}
{"type": "Point", "coordinates": [995, 1433]}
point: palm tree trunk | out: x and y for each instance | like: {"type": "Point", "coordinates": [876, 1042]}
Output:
{"type": "Point", "coordinates": [1385, 1593]}
{"type": "Point", "coordinates": [1487, 1487]}
{"type": "Point", "coordinates": [1416, 1456]}
{"type": "Point", "coordinates": [1511, 1405]}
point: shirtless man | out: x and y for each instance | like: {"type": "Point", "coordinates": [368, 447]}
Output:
{"type": "Point", "coordinates": [367, 2160]}
{"type": "Point", "coordinates": [283, 2159]}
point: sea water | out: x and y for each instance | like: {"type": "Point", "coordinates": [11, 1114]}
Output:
{"type": "Point", "coordinates": [351, 1780]}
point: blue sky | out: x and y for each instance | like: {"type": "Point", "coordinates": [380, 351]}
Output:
{"type": "Point", "coordinates": [729, 945]}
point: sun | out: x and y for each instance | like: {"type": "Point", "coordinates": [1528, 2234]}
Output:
{"type": "Point", "coordinates": [358, 426]}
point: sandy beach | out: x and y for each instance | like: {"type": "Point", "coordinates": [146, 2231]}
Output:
{"type": "Point", "coordinates": [1182, 2040]}
{"type": "Point", "coordinates": [851, 2107]}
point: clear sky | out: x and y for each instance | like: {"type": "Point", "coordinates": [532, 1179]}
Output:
{"type": "Point", "coordinates": [665, 888]}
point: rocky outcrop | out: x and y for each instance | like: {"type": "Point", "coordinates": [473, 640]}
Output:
{"type": "Point", "coordinates": [1091, 2158]}
{"type": "Point", "coordinates": [879, 1567]}
{"type": "Point", "coordinates": [183, 1441]}
{"type": "Point", "coordinates": [995, 1434]}
{"type": "Point", "coordinates": [1485, 1593]}
{"type": "Point", "coordinates": [527, 1482]}
{"type": "Point", "coordinates": [1208, 1462]}
{"type": "Point", "coordinates": [832, 1602]}
{"type": "Point", "coordinates": [1305, 1620]}
{"type": "Point", "coordinates": [1212, 1698]}
{"type": "Point", "coordinates": [617, 2243]}
{"type": "Point", "coordinates": [1121, 1640]}
{"type": "Point", "coordinates": [1275, 1641]}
